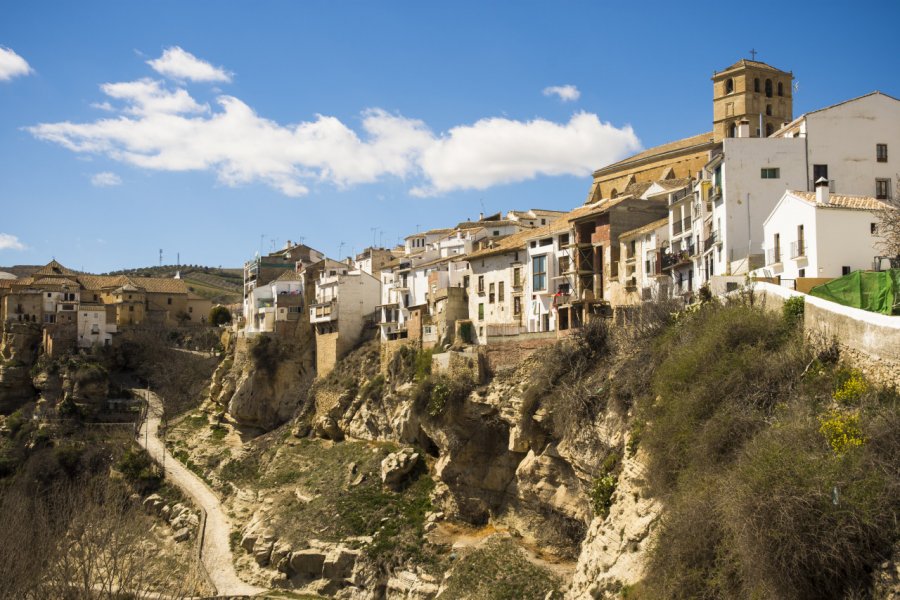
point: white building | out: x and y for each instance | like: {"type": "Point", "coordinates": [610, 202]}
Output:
{"type": "Point", "coordinates": [278, 300]}
{"type": "Point", "coordinates": [549, 280]}
{"type": "Point", "coordinates": [497, 298]}
{"type": "Point", "coordinates": [641, 254]}
{"type": "Point", "coordinates": [848, 144]}
{"type": "Point", "coordinates": [821, 235]}
{"type": "Point", "coordinates": [344, 300]}
{"type": "Point", "coordinates": [93, 325]}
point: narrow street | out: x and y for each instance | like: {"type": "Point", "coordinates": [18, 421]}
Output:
{"type": "Point", "coordinates": [216, 552]}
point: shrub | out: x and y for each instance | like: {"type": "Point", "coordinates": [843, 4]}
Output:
{"type": "Point", "coordinates": [793, 309]}
{"type": "Point", "coordinates": [139, 470]}
{"type": "Point", "coordinates": [850, 386]}
{"type": "Point", "coordinates": [602, 490]}
{"type": "Point", "coordinates": [841, 431]}
{"type": "Point", "coordinates": [219, 315]}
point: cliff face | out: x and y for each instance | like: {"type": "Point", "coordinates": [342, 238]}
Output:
{"type": "Point", "coordinates": [19, 347]}
{"type": "Point", "coordinates": [263, 380]}
{"type": "Point", "coordinates": [499, 460]}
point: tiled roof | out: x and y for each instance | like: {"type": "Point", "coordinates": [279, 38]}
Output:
{"type": "Point", "coordinates": [750, 63]}
{"type": "Point", "coordinates": [664, 222]}
{"type": "Point", "coordinates": [289, 276]}
{"type": "Point", "coordinates": [674, 184]}
{"type": "Point", "coordinates": [46, 281]}
{"type": "Point", "coordinates": [698, 140]}
{"type": "Point", "coordinates": [54, 268]}
{"type": "Point", "coordinates": [843, 201]}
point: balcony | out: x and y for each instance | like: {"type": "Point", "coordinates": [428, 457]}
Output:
{"type": "Point", "coordinates": [677, 227]}
{"type": "Point", "coordinates": [773, 256]}
{"type": "Point", "coordinates": [798, 249]}
{"type": "Point", "coordinates": [711, 241]}
{"type": "Point", "coordinates": [676, 259]}
{"type": "Point", "coordinates": [323, 312]}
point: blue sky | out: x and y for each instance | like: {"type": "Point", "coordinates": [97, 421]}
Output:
{"type": "Point", "coordinates": [203, 128]}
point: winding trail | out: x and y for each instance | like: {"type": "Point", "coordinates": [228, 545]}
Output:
{"type": "Point", "coordinates": [216, 551]}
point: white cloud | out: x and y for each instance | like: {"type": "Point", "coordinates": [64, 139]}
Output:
{"type": "Point", "coordinates": [179, 64]}
{"type": "Point", "coordinates": [10, 242]}
{"type": "Point", "coordinates": [566, 93]}
{"type": "Point", "coordinates": [167, 130]}
{"type": "Point", "coordinates": [106, 179]}
{"type": "Point", "coordinates": [495, 151]}
{"type": "Point", "coordinates": [12, 65]}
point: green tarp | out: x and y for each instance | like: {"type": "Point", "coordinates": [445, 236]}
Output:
{"type": "Point", "coordinates": [869, 290]}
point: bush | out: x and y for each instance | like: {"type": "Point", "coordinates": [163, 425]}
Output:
{"type": "Point", "coordinates": [139, 470]}
{"type": "Point", "coordinates": [850, 386]}
{"type": "Point", "coordinates": [219, 315]}
{"type": "Point", "coordinates": [793, 309]}
{"type": "Point", "coordinates": [841, 431]}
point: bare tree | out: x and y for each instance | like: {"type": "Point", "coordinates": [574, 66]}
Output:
{"type": "Point", "coordinates": [889, 224]}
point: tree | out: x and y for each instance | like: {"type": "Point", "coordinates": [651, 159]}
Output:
{"type": "Point", "coordinates": [889, 225]}
{"type": "Point", "coordinates": [219, 315]}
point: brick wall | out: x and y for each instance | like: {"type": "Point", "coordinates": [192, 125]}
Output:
{"type": "Point", "coordinates": [508, 354]}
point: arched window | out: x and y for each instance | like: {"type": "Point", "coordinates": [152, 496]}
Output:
{"type": "Point", "coordinates": [732, 130]}
{"type": "Point", "coordinates": [769, 110]}
{"type": "Point", "coordinates": [768, 88]}
{"type": "Point", "coordinates": [780, 89]}
{"type": "Point", "coordinates": [613, 193]}
{"type": "Point", "coordinates": [756, 84]}
{"type": "Point", "coordinates": [729, 85]}
{"type": "Point", "coordinates": [769, 129]}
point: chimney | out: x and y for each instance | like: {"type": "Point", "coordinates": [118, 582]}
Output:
{"type": "Point", "coordinates": [481, 216]}
{"type": "Point", "coordinates": [821, 191]}
{"type": "Point", "coordinates": [743, 128]}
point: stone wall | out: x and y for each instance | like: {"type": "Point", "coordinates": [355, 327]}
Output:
{"type": "Point", "coordinates": [327, 352]}
{"type": "Point", "coordinates": [509, 354]}
{"type": "Point", "coordinates": [390, 347]}
{"type": "Point", "coordinates": [870, 340]}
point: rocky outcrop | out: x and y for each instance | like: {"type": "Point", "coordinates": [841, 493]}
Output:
{"type": "Point", "coordinates": [614, 551]}
{"type": "Point", "coordinates": [184, 521]}
{"type": "Point", "coordinates": [262, 383]}
{"type": "Point", "coordinates": [397, 466]}
{"type": "Point", "coordinates": [19, 347]}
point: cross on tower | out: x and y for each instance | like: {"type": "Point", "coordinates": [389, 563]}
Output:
{"type": "Point", "coordinates": [753, 54]}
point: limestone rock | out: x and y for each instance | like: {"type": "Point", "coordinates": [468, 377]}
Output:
{"type": "Point", "coordinates": [406, 585]}
{"type": "Point", "coordinates": [308, 563]}
{"type": "Point", "coordinates": [339, 563]}
{"type": "Point", "coordinates": [182, 534]}
{"type": "Point", "coordinates": [397, 465]}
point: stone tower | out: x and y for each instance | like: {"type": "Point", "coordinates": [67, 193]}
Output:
{"type": "Point", "coordinates": [753, 92]}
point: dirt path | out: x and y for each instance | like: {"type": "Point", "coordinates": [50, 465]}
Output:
{"type": "Point", "coordinates": [216, 555]}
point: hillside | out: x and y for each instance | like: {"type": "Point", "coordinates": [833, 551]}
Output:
{"type": "Point", "coordinates": [222, 286]}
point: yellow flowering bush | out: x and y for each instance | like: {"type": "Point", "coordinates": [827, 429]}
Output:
{"type": "Point", "coordinates": [841, 431]}
{"type": "Point", "coordinates": [851, 388]}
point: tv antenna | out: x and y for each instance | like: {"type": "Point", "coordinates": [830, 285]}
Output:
{"type": "Point", "coordinates": [160, 257]}
{"type": "Point", "coordinates": [340, 249]}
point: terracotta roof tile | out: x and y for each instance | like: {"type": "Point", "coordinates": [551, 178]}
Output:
{"type": "Point", "coordinates": [844, 201]}
{"type": "Point", "coordinates": [682, 144]}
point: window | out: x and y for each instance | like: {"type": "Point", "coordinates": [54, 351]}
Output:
{"type": "Point", "coordinates": [564, 240]}
{"type": "Point", "coordinates": [543, 221]}
{"type": "Point", "coordinates": [466, 281]}
{"type": "Point", "coordinates": [168, 301]}
{"type": "Point", "coordinates": [732, 130]}
{"type": "Point", "coordinates": [729, 85]}
{"type": "Point", "coordinates": [873, 228]}
{"type": "Point", "coordinates": [539, 273]}
{"type": "Point", "coordinates": [517, 305]}
{"type": "Point", "coordinates": [491, 293]}
{"type": "Point", "coordinates": [769, 129]}
{"type": "Point", "coordinates": [563, 264]}
{"type": "Point", "coordinates": [49, 295]}
{"type": "Point", "coordinates": [801, 273]}
{"type": "Point", "coordinates": [780, 89]}
{"type": "Point", "coordinates": [770, 173]}
{"type": "Point", "coordinates": [546, 242]}
{"type": "Point", "coordinates": [845, 270]}
{"type": "Point", "coordinates": [131, 308]}
{"type": "Point", "coordinates": [756, 85]}
{"type": "Point", "coordinates": [881, 152]}
{"type": "Point", "coordinates": [533, 244]}
{"type": "Point", "coordinates": [481, 311]}
{"type": "Point", "coordinates": [768, 88]}
{"type": "Point", "coordinates": [500, 292]}
{"type": "Point", "coordinates": [517, 277]}
{"type": "Point", "coordinates": [883, 189]}
{"type": "Point", "coordinates": [819, 172]}
{"type": "Point", "coordinates": [776, 249]}
{"type": "Point", "coordinates": [768, 110]}
{"type": "Point", "coordinates": [496, 232]}
{"type": "Point", "coordinates": [481, 284]}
